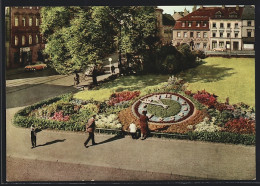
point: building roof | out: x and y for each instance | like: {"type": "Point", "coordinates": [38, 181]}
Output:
{"type": "Point", "coordinates": [206, 13]}
{"type": "Point", "coordinates": [248, 13]}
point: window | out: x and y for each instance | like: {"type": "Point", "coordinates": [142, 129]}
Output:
{"type": "Point", "coordinates": [228, 34]}
{"type": "Point", "coordinates": [228, 25]}
{"type": "Point", "coordinates": [204, 24]}
{"type": "Point", "coordinates": [185, 34]}
{"type": "Point", "coordinates": [213, 25]}
{"type": "Point", "coordinates": [236, 35]}
{"type": "Point", "coordinates": [30, 39]}
{"type": "Point", "coordinates": [249, 23]}
{"type": "Point", "coordinates": [183, 24]}
{"type": "Point", "coordinates": [204, 45]}
{"type": "Point", "coordinates": [23, 21]}
{"type": "Point", "coordinates": [197, 24]}
{"type": "Point", "coordinates": [236, 25]}
{"type": "Point", "coordinates": [221, 44]}
{"type": "Point", "coordinates": [189, 24]}
{"type": "Point", "coordinates": [16, 21]}
{"type": "Point", "coordinates": [221, 25]}
{"type": "Point", "coordinates": [37, 21]}
{"type": "Point", "coordinates": [30, 21]}
{"type": "Point", "coordinates": [30, 7]}
{"type": "Point", "coordinates": [205, 35]}
{"type": "Point", "coordinates": [191, 34]}
{"type": "Point", "coordinates": [23, 40]}
{"type": "Point", "coordinates": [218, 14]}
{"type": "Point", "coordinates": [198, 34]}
{"type": "Point", "coordinates": [197, 45]}
{"type": "Point", "coordinates": [178, 34]}
{"type": "Point", "coordinates": [214, 34]}
{"type": "Point", "coordinates": [248, 34]}
{"type": "Point", "coordinates": [36, 39]}
{"type": "Point", "coordinates": [214, 44]}
{"type": "Point", "coordinates": [16, 40]}
{"type": "Point", "coordinates": [220, 34]}
{"type": "Point", "coordinates": [233, 15]}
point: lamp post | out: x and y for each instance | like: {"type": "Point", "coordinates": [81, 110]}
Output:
{"type": "Point", "coordinates": [110, 60]}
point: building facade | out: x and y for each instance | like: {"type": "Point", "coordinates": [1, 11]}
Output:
{"type": "Point", "coordinates": [248, 28]}
{"type": "Point", "coordinates": [25, 41]}
{"type": "Point", "coordinates": [226, 28]}
{"type": "Point", "coordinates": [193, 29]}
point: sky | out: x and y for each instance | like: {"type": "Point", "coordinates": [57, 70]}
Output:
{"type": "Point", "coordinates": [170, 9]}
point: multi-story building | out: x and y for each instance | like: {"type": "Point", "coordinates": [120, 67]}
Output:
{"type": "Point", "coordinates": [25, 41]}
{"type": "Point", "coordinates": [193, 29]}
{"type": "Point", "coordinates": [248, 28]}
{"type": "Point", "coordinates": [225, 28]}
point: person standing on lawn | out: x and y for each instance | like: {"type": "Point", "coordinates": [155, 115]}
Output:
{"type": "Point", "coordinates": [144, 124]}
{"type": "Point", "coordinates": [90, 128]}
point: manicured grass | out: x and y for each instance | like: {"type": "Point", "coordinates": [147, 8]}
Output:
{"type": "Point", "coordinates": [173, 108]}
{"type": "Point", "coordinates": [225, 77]}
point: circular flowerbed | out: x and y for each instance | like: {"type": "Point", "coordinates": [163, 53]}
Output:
{"type": "Point", "coordinates": [164, 108]}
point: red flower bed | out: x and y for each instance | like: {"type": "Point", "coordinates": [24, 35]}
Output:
{"type": "Point", "coordinates": [58, 116]}
{"type": "Point", "coordinates": [206, 98]}
{"type": "Point", "coordinates": [122, 96]}
{"type": "Point", "coordinates": [241, 125]}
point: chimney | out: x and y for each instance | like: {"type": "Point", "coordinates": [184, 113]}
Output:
{"type": "Point", "coordinates": [237, 7]}
{"type": "Point", "coordinates": [223, 6]}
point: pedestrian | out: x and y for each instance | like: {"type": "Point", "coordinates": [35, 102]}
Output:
{"type": "Point", "coordinates": [33, 136]}
{"type": "Point", "coordinates": [132, 128]}
{"type": "Point", "coordinates": [113, 69]}
{"type": "Point", "coordinates": [76, 79]}
{"type": "Point", "coordinates": [90, 128]}
{"type": "Point", "coordinates": [144, 124]}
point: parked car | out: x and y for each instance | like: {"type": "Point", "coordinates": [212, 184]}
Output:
{"type": "Point", "coordinates": [219, 49]}
{"type": "Point", "coordinates": [37, 66]}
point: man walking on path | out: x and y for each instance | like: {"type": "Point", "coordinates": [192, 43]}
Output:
{"type": "Point", "coordinates": [90, 128]}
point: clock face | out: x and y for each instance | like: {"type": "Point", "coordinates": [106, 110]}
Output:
{"type": "Point", "coordinates": [166, 108]}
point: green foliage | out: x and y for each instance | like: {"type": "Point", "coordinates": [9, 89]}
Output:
{"type": "Point", "coordinates": [223, 137]}
{"type": "Point", "coordinates": [168, 20]}
{"type": "Point", "coordinates": [173, 108]}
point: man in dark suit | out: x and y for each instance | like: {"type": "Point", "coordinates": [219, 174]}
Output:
{"type": "Point", "coordinates": [33, 136]}
{"type": "Point", "coordinates": [90, 128]}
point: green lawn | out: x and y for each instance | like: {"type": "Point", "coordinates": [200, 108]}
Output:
{"type": "Point", "coordinates": [233, 78]}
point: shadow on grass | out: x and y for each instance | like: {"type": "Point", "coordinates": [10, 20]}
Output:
{"type": "Point", "coordinates": [51, 142]}
{"type": "Point", "coordinates": [135, 82]}
{"type": "Point", "coordinates": [206, 74]}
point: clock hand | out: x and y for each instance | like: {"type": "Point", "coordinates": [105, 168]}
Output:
{"type": "Point", "coordinates": [159, 104]}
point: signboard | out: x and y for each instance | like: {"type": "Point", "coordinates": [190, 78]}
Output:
{"type": "Point", "coordinates": [25, 49]}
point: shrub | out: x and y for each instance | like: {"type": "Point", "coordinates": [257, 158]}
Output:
{"type": "Point", "coordinates": [241, 126]}
{"type": "Point", "coordinates": [111, 121]}
{"type": "Point", "coordinates": [223, 137]}
{"type": "Point", "coordinates": [207, 126]}
{"type": "Point", "coordinates": [59, 116]}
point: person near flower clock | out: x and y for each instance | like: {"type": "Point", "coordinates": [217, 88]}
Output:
{"type": "Point", "coordinates": [90, 128]}
{"type": "Point", "coordinates": [144, 124]}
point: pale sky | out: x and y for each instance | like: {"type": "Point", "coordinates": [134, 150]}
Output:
{"type": "Point", "coordinates": [170, 9]}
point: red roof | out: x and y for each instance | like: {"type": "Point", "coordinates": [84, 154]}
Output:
{"type": "Point", "coordinates": [202, 15]}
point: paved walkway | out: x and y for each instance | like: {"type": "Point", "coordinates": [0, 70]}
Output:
{"type": "Point", "coordinates": [179, 157]}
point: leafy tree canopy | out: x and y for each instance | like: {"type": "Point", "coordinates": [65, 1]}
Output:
{"type": "Point", "coordinates": [79, 36]}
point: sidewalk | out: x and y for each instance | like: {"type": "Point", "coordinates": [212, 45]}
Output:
{"type": "Point", "coordinates": [179, 157]}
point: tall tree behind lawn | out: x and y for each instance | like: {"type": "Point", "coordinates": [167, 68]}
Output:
{"type": "Point", "coordinates": [79, 36]}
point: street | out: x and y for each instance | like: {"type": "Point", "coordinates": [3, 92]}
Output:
{"type": "Point", "coordinates": [61, 156]}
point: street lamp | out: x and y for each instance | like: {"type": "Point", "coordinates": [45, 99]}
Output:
{"type": "Point", "coordinates": [110, 60]}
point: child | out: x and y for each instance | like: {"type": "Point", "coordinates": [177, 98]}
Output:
{"type": "Point", "coordinates": [132, 128]}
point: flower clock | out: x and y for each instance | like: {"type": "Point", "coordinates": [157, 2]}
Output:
{"type": "Point", "coordinates": [165, 108]}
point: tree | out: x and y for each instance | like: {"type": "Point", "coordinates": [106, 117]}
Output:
{"type": "Point", "coordinates": [78, 37]}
